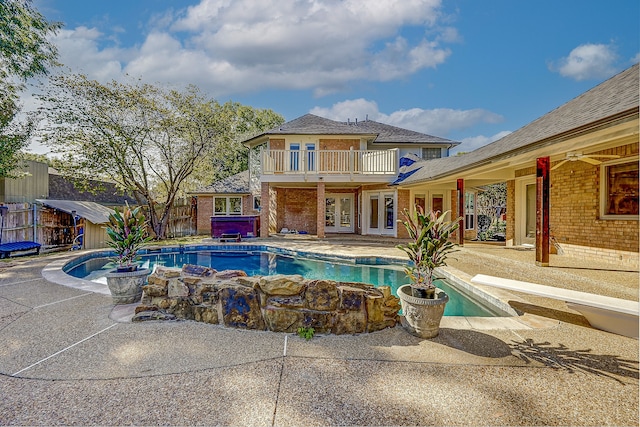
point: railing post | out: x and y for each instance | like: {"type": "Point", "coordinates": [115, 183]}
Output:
{"type": "Point", "coordinates": [351, 163]}
{"type": "Point", "coordinates": [303, 153]}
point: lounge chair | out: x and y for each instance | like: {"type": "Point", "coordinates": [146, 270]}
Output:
{"type": "Point", "coordinates": [7, 248]}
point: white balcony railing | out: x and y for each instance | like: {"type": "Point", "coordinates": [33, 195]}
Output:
{"type": "Point", "coordinates": [365, 162]}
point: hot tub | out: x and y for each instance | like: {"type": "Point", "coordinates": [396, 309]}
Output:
{"type": "Point", "coordinates": [246, 225]}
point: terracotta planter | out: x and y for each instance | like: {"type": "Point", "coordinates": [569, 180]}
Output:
{"type": "Point", "coordinates": [421, 316]}
{"type": "Point", "coordinates": [126, 287]}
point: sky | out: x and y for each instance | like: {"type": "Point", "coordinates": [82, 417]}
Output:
{"type": "Point", "coordinates": [467, 70]}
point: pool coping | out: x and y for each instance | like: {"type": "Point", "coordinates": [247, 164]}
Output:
{"type": "Point", "coordinates": [54, 273]}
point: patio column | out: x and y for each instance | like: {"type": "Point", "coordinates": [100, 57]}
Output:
{"type": "Point", "coordinates": [460, 213]}
{"type": "Point", "coordinates": [542, 211]}
{"type": "Point", "coordinates": [320, 210]}
{"type": "Point", "coordinates": [264, 209]}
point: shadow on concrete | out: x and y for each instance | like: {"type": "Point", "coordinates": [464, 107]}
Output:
{"type": "Point", "coordinates": [473, 342]}
{"type": "Point", "coordinates": [562, 357]}
{"type": "Point", "coordinates": [563, 316]}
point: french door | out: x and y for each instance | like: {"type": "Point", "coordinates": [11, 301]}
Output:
{"type": "Point", "coordinates": [339, 213]}
{"type": "Point", "coordinates": [381, 213]}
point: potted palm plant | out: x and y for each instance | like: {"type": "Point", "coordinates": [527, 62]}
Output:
{"type": "Point", "coordinates": [429, 246]}
{"type": "Point", "coordinates": [127, 234]}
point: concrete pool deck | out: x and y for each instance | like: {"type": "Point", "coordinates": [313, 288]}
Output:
{"type": "Point", "coordinates": [65, 360]}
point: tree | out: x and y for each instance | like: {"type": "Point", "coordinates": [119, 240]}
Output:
{"type": "Point", "coordinates": [147, 139]}
{"type": "Point", "coordinates": [237, 123]}
{"type": "Point", "coordinates": [25, 52]}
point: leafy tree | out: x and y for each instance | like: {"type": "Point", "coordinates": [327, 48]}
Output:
{"type": "Point", "coordinates": [147, 139]}
{"type": "Point", "coordinates": [25, 52]}
{"type": "Point", "coordinates": [236, 123]}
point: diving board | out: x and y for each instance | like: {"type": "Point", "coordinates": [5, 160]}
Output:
{"type": "Point", "coordinates": [609, 314]}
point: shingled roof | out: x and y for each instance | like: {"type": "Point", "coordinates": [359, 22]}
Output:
{"type": "Point", "coordinates": [380, 133]}
{"type": "Point", "coordinates": [234, 184]}
{"type": "Point", "coordinates": [611, 98]}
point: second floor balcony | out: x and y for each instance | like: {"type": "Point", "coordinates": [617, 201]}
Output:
{"type": "Point", "coordinates": [327, 162]}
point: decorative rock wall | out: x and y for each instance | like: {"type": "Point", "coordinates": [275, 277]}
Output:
{"type": "Point", "coordinates": [278, 303]}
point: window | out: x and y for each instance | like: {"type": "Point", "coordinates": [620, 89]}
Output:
{"type": "Point", "coordinates": [389, 211]}
{"type": "Point", "coordinates": [294, 156]}
{"type": "Point", "coordinates": [437, 203]}
{"type": "Point", "coordinates": [231, 205]}
{"type": "Point", "coordinates": [256, 203]}
{"type": "Point", "coordinates": [619, 189]}
{"type": "Point", "coordinates": [431, 153]}
{"type": "Point", "coordinates": [311, 156]}
{"type": "Point", "coordinates": [469, 211]}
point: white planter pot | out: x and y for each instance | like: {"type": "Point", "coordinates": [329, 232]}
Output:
{"type": "Point", "coordinates": [126, 287]}
{"type": "Point", "coordinates": [421, 316]}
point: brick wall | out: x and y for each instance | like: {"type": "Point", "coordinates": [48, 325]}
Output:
{"type": "Point", "coordinates": [404, 202]}
{"type": "Point", "coordinates": [339, 144]}
{"type": "Point", "coordinates": [575, 208]}
{"type": "Point", "coordinates": [320, 210]}
{"type": "Point", "coordinates": [276, 144]}
{"type": "Point", "coordinates": [297, 209]}
{"type": "Point", "coordinates": [205, 210]}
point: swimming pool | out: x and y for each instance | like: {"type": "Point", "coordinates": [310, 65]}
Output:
{"type": "Point", "coordinates": [260, 260]}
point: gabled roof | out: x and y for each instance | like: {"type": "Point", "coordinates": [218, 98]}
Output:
{"type": "Point", "coordinates": [234, 184]}
{"type": "Point", "coordinates": [616, 96]}
{"type": "Point", "coordinates": [381, 133]}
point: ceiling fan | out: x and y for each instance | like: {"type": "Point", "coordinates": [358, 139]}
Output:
{"type": "Point", "coordinates": [572, 156]}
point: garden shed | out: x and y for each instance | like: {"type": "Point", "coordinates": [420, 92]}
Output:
{"type": "Point", "coordinates": [91, 219]}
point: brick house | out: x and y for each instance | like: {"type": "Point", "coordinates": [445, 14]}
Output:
{"type": "Point", "coordinates": [571, 175]}
{"type": "Point", "coordinates": [229, 197]}
{"type": "Point", "coordinates": [320, 176]}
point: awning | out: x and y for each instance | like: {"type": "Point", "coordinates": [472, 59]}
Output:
{"type": "Point", "coordinates": [94, 212]}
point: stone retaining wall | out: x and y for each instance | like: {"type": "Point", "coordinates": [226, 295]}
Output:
{"type": "Point", "coordinates": [279, 303]}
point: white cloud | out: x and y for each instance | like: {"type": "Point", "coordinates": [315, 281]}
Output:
{"type": "Point", "coordinates": [437, 122]}
{"type": "Point", "coordinates": [241, 46]}
{"type": "Point", "coordinates": [79, 50]}
{"type": "Point", "coordinates": [636, 58]}
{"type": "Point", "coordinates": [588, 61]}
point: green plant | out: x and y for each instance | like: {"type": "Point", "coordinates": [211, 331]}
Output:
{"type": "Point", "coordinates": [306, 333]}
{"type": "Point", "coordinates": [429, 244]}
{"type": "Point", "coordinates": [127, 232]}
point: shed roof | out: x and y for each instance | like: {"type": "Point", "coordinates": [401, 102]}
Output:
{"type": "Point", "coordinates": [94, 212]}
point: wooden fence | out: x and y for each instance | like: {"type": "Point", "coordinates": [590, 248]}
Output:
{"type": "Point", "coordinates": [54, 228]}
{"type": "Point", "coordinates": [51, 227]}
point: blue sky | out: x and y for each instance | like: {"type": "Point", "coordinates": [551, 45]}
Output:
{"type": "Point", "coordinates": [466, 70]}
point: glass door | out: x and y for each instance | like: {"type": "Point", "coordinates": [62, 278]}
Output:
{"type": "Point", "coordinates": [381, 215]}
{"type": "Point", "coordinates": [310, 157]}
{"type": "Point", "coordinates": [339, 213]}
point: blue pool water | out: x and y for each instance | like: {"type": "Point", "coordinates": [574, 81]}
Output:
{"type": "Point", "coordinates": [267, 263]}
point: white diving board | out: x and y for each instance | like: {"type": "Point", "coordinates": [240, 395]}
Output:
{"type": "Point", "coordinates": [616, 315]}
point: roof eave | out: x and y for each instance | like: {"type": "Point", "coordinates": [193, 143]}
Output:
{"type": "Point", "coordinates": [554, 139]}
